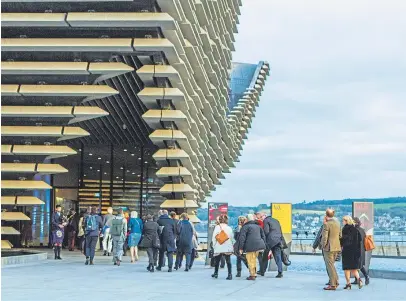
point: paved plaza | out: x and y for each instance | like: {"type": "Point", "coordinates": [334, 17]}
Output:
{"type": "Point", "coordinates": [71, 280]}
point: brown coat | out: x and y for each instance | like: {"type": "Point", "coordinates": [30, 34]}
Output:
{"type": "Point", "coordinates": [331, 234]}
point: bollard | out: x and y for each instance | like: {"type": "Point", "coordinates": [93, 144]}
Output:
{"type": "Point", "coordinates": [397, 249]}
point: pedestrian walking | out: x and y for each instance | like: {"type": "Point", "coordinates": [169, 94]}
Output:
{"type": "Point", "coordinates": [26, 232]}
{"type": "Point", "coordinates": [317, 244]}
{"type": "Point", "coordinates": [185, 234]}
{"type": "Point", "coordinates": [251, 241]}
{"type": "Point", "coordinates": [167, 240]}
{"type": "Point", "coordinates": [135, 227]}
{"type": "Point", "coordinates": [351, 251]}
{"type": "Point", "coordinates": [107, 239]}
{"type": "Point", "coordinates": [93, 224]}
{"type": "Point", "coordinates": [274, 240]}
{"type": "Point", "coordinates": [81, 231]}
{"type": "Point", "coordinates": [240, 257]}
{"type": "Point", "coordinates": [330, 244]}
{"type": "Point", "coordinates": [223, 245]}
{"type": "Point", "coordinates": [363, 269]}
{"type": "Point", "coordinates": [194, 254]}
{"type": "Point", "coordinates": [125, 245]}
{"type": "Point", "coordinates": [150, 241]}
{"type": "Point", "coordinates": [195, 246]}
{"type": "Point", "coordinates": [118, 232]}
{"type": "Point", "coordinates": [72, 229]}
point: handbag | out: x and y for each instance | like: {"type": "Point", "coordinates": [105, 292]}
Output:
{"type": "Point", "coordinates": [285, 258]}
{"type": "Point", "coordinates": [156, 244]}
{"type": "Point", "coordinates": [369, 243]}
{"type": "Point", "coordinates": [222, 237]}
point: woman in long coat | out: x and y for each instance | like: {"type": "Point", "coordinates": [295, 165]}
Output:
{"type": "Point", "coordinates": [361, 231]}
{"type": "Point", "coordinates": [185, 237]}
{"type": "Point", "coordinates": [225, 249]}
{"type": "Point", "coordinates": [240, 257]}
{"type": "Point", "coordinates": [351, 254]}
{"type": "Point", "coordinates": [150, 241]}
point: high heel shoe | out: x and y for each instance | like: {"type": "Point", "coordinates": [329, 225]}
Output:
{"type": "Point", "coordinates": [347, 287]}
{"type": "Point", "coordinates": [360, 284]}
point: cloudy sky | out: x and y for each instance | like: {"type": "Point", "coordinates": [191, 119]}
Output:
{"type": "Point", "coordinates": [332, 120]}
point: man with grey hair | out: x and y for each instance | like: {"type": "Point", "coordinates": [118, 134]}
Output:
{"type": "Point", "coordinates": [330, 244]}
{"type": "Point", "coordinates": [167, 234]}
{"type": "Point", "coordinates": [274, 241]}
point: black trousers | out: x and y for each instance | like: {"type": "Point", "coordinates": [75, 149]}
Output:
{"type": "Point", "coordinates": [217, 260]}
{"type": "Point", "coordinates": [222, 262]}
{"type": "Point", "coordinates": [152, 255]}
{"type": "Point", "coordinates": [161, 261]}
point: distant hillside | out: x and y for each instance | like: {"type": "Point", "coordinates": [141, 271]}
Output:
{"type": "Point", "coordinates": [315, 205]}
{"type": "Point", "coordinates": [395, 206]}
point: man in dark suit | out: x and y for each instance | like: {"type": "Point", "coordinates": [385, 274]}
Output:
{"type": "Point", "coordinates": [167, 238]}
{"type": "Point", "coordinates": [274, 239]}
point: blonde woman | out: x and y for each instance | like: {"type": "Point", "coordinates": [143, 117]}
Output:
{"type": "Point", "coordinates": [351, 251]}
{"type": "Point", "coordinates": [240, 257]}
{"type": "Point", "coordinates": [226, 248]}
{"type": "Point", "coordinates": [135, 227]}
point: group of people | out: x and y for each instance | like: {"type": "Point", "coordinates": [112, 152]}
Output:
{"type": "Point", "coordinates": [164, 236]}
{"type": "Point", "coordinates": [349, 242]}
{"type": "Point", "coordinates": [113, 230]}
{"type": "Point", "coordinates": [256, 237]}
{"type": "Point", "coordinates": [168, 236]}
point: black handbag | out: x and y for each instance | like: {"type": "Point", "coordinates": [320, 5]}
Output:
{"type": "Point", "coordinates": [285, 259]}
{"type": "Point", "coordinates": [211, 253]}
{"type": "Point", "coordinates": [156, 242]}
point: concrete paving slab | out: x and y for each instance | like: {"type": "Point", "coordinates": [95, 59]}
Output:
{"type": "Point", "coordinates": [70, 279]}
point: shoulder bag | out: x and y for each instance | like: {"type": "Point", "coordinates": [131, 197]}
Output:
{"type": "Point", "coordinates": [222, 237]}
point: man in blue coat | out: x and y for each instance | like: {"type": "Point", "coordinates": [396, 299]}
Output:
{"type": "Point", "coordinates": [167, 239]}
{"type": "Point", "coordinates": [185, 240]}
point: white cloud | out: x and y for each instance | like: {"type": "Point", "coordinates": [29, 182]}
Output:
{"type": "Point", "coordinates": [332, 119]}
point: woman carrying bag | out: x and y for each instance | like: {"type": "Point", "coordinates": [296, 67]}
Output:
{"type": "Point", "coordinates": [351, 251]}
{"type": "Point", "coordinates": [223, 241]}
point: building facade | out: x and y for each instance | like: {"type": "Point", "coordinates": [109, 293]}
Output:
{"type": "Point", "coordinates": [132, 104]}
